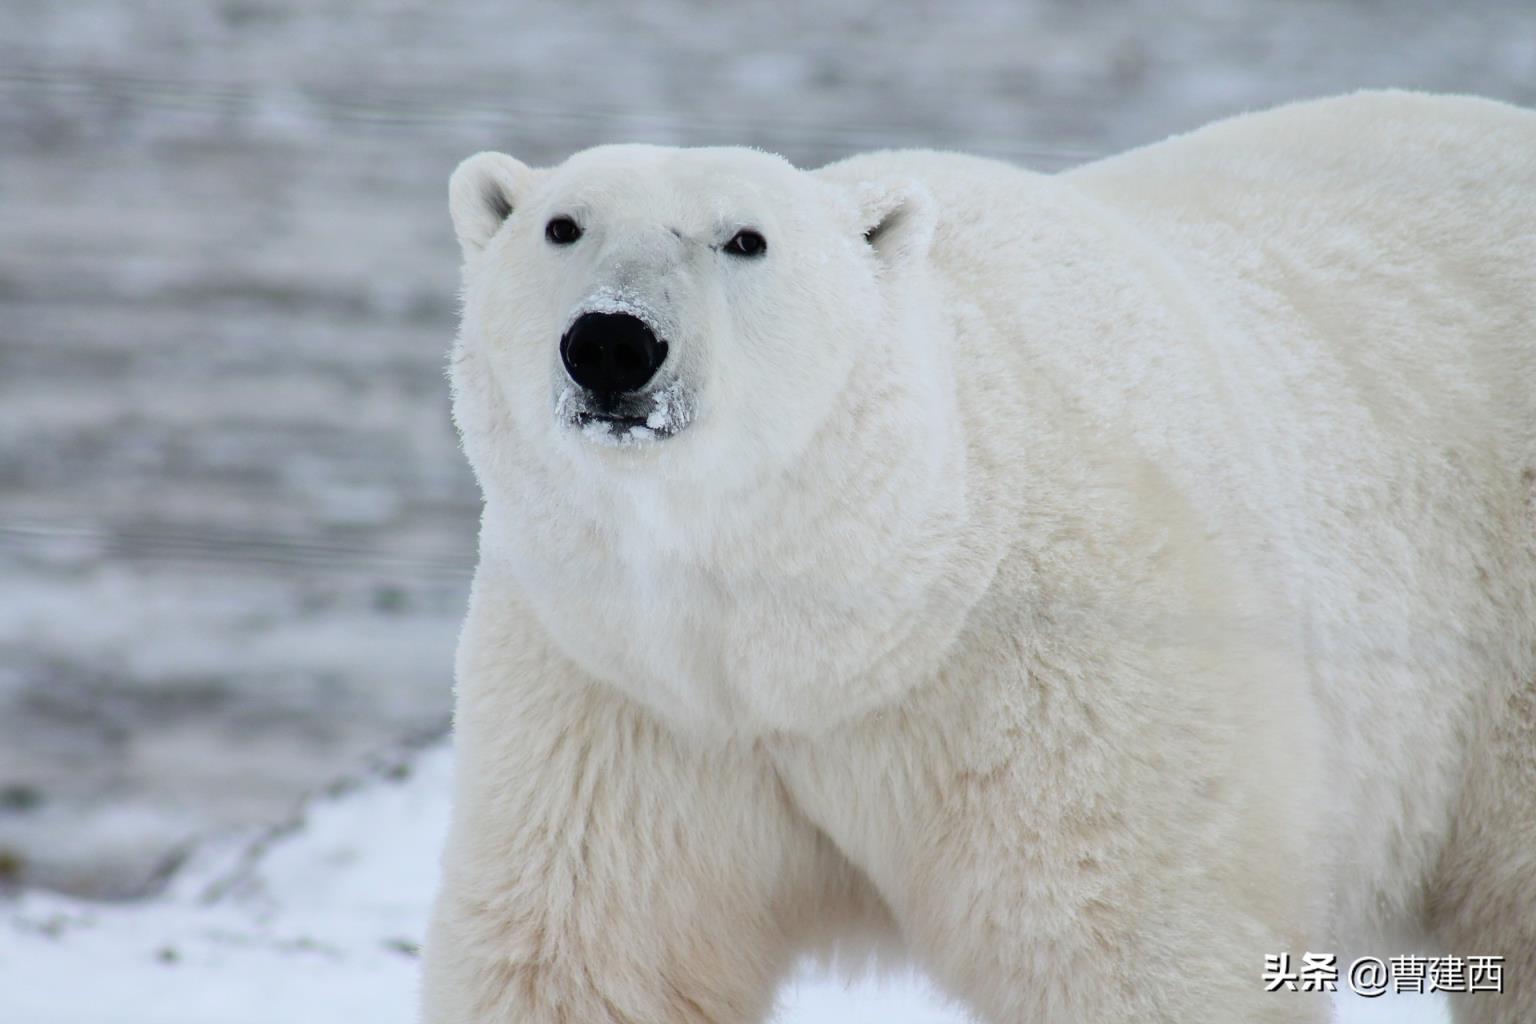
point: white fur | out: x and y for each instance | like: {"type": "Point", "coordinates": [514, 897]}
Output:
{"type": "Point", "coordinates": [1088, 584]}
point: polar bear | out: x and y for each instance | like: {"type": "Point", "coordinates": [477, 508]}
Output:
{"type": "Point", "coordinates": [1086, 585]}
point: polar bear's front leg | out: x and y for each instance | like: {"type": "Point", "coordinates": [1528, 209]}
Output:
{"type": "Point", "coordinates": [600, 870]}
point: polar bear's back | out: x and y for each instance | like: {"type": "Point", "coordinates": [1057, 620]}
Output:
{"type": "Point", "coordinates": [1392, 233]}
{"type": "Point", "coordinates": [1367, 265]}
{"type": "Point", "coordinates": [1371, 217]}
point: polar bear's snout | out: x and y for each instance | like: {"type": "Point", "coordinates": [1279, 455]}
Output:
{"type": "Point", "coordinates": [611, 354]}
{"type": "Point", "coordinates": [618, 388]}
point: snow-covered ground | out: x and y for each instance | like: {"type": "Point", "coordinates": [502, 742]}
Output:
{"type": "Point", "coordinates": [320, 921]}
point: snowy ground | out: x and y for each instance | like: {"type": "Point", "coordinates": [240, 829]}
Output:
{"type": "Point", "coordinates": [320, 921]}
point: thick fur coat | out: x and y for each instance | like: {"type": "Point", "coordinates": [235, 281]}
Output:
{"type": "Point", "coordinates": [1083, 584]}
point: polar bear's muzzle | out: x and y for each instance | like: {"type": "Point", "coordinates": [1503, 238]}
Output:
{"type": "Point", "coordinates": [610, 358]}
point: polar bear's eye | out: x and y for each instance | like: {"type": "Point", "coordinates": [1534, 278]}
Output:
{"type": "Point", "coordinates": [562, 231]}
{"type": "Point", "coordinates": [747, 243]}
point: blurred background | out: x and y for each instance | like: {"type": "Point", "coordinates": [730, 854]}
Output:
{"type": "Point", "coordinates": [235, 531]}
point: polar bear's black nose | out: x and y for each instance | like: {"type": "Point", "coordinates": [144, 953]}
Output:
{"type": "Point", "coordinates": [611, 353]}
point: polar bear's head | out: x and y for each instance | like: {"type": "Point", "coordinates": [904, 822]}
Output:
{"type": "Point", "coordinates": [706, 396]}
{"type": "Point", "coordinates": [700, 308]}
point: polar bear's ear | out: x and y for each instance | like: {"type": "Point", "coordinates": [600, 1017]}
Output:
{"type": "Point", "coordinates": [482, 193]}
{"type": "Point", "coordinates": [896, 217]}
